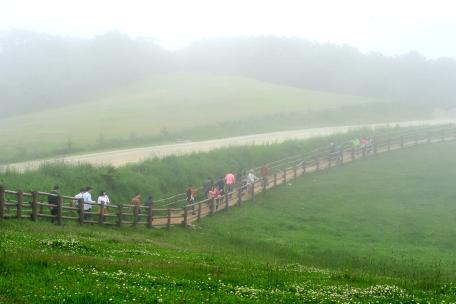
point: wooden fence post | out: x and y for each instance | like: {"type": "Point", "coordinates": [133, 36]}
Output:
{"type": "Point", "coordinates": [2, 202]}
{"type": "Point", "coordinates": [34, 205]}
{"type": "Point", "coordinates": [317, 164]}
{"type": "Point", "coordinates": [253, 191]}
{"type": "Point", "coordinates": [295, 172]}
{"type": "Point", "coordinates": [59, 209]}
{"type": "Point", "coordinates": [185, 221]}
{"type": "Point", "coordinates": [119, 215]}
{"type": "Point", "coordinates": [227, 202]}
{"type": "Point", "coordinates": [199, 211]}
{"type": "Point", "coordinates": [81, 211]}
{"type": "Point", "coordinates": [285, 176]}
{"type": "Point", "coordinates": [239, 196]}
{"type": "Point", "coordinates": [275, 179]}
{"type": "Point", "coordinates": [101, 214]}
{"type": "Point", "coordinates": [149, 217]}
{"type": "Point", "coordinates": [168, 224]}
{"type": "Point", "coordinates": [212, 207]}
{"type": "Point", "coordinates": [20, 202]}
{"type": "Point", "coordinates": [136, 215]}
{"type": "Point", "coordinates": [41, 209]}
{"type": "Point", "coordinates": [303, 167]}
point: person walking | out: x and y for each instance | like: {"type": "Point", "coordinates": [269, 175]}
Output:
{"type": "Point", "coordinates": [214, 194]}
{"type": "Point", "coordinates": [207, 186]}
{"type": "Point", "coordinates": [77, 197]}
{"type": "Point", "coordinates": [150, 201]}
{"type": "Point", "coordinates": [87, 196]}
{"type": "Point", "coordinates": [264, 171]}
{"type": "Point", "coordinates": [251, 179]}
{"type": "Point", "coordinates": [220, 184]}
{"type": "Point", "coordinates": [53, 200]}
{"type": "Point", "coordinates": [229, 181]}
{"type": "Point", "coordinates": [190, 193]}
{"type": "Point", "coordinates": [150, 206]}
{"type": "Point", "coordinates": [103, 201]}
{"type": "Point", "coordinates": [136, 201]}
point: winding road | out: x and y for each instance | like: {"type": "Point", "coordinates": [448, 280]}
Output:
{"type": "Point", "coordinates": [133, 155]}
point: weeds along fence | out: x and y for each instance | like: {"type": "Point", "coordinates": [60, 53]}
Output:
{"type": "Point", "coordinates": [174, 210]}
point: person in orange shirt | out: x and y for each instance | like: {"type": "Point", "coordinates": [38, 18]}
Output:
{"type": "Point", "coordinates": [264, 174]}
{"type": "Point", "coordinates": [136, 201]}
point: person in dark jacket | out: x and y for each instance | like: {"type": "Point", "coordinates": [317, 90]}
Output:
{"type": "Point", "coordinates": [207, 186]}
{"type": "Point", "coordinates": [53, 199]}
{"type": "Point", "coordinates": [150, 201]}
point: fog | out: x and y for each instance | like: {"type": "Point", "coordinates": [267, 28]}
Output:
{"type": "Point", "coordinates": [40, 71]}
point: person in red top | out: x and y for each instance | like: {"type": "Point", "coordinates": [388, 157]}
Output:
{"type": "Point", "coordinates": [214, 192]}
{"type": "Point", "coordinates": [229, 181]}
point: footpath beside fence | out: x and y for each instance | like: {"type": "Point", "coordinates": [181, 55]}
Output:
{"type": "Point", "coordinates": [174, 211]}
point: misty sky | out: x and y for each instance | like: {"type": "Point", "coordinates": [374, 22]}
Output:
{"type": "Point", "coordinates": [387, 26]}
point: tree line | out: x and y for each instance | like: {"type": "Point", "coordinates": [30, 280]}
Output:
{"type": "Point", "coordinates": [40, 70]}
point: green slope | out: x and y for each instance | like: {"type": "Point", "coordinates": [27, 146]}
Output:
{"type": "Point", "coordinates": [380, 230]}
{"type": "Point", "coordinates": [148, 111]}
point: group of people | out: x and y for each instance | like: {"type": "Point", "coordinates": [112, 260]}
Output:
{"type": "Point", "coordinates": [362, 144]}
{"type": "Point", "coordinates": [225, 184]}
{"type": "Point", "coordinates": [210, 190]}
{"type": "Point", "coordinates": [85, 194]}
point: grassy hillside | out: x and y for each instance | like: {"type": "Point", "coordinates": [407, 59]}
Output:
{"type": "Point", "coordinates": [380, 230]}
{"type": "Point", "coordinates": [172, 106]}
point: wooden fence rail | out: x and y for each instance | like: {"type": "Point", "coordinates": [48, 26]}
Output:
{"type": "Point", "coordinates": [34, 205]}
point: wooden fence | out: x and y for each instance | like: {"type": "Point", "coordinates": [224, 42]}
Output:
{"type": "Point", "coordinates": [174, 210]}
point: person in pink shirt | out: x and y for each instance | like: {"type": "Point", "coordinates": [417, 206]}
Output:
{"type": "Point", "coordinates": [214, 192]}
{"type": "Point", "coordinates": [229, 181]}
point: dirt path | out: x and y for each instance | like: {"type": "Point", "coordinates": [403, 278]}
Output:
{"type": "Point", "coordinates": [125, 156]}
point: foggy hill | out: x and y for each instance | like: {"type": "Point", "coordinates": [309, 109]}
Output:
{"type": "Point", "coordinates": [328, 67]}
{"type": "Point", "coordinates": [39, 71]}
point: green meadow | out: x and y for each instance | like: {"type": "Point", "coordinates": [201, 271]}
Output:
{"type": "Point", "coordinates": [188, 106]}
{"type": "Point", "coordinates": [379, 230]}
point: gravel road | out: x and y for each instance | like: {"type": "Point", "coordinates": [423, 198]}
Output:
{"type": "Point", "coordinates": [125, 156]}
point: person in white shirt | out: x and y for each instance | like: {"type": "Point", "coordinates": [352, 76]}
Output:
{"type": "Point", "coordinates": [103, 201]}
{"type": "Point", "coordinates": [77, 197]}
{"type": "Point", "coordinates": [251, 178]}
{"type": "Point", "coordinates": [87, 196]}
